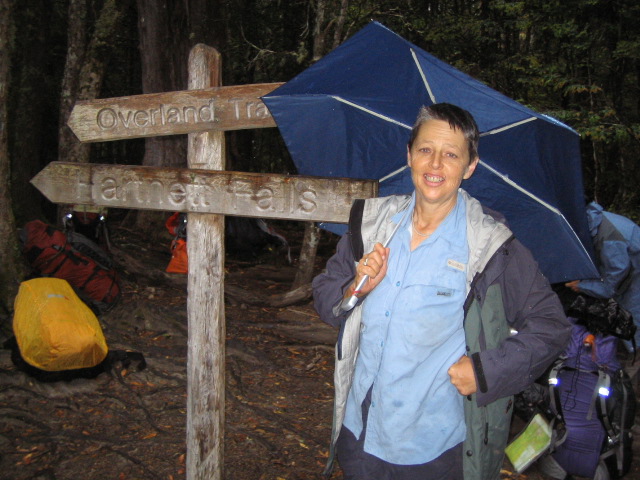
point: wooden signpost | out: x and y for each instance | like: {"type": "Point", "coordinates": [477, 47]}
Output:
{"type": "Point", "coordinates": [205, 111]}
{"type": "Point", "coordinates": [287, 197]}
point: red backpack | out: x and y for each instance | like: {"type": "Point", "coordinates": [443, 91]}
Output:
{"type": "Point", "coordinates": [74, 258]}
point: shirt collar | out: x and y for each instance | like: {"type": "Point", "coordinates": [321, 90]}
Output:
{"type": "Point", "coordinates": [452, 222]}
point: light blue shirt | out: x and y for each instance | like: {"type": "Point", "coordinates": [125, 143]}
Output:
{"type": "Point", "coordinates": [412, 333]}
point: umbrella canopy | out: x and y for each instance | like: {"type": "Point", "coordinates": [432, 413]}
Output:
{"type": "Point", "coordinates": [351, 113]}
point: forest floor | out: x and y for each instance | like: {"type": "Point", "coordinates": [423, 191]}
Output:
{"type": "Point", "coordinates": [130, 424]}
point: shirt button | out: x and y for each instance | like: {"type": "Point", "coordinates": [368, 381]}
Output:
{"type": "Point", "coordinates": [397, 284]}
{"type": "Point", "coordinates": [469, 453]}
{"type": "Point", "coordinates": [386, 314]}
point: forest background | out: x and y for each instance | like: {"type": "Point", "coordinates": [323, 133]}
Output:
{"type": "Point", "coordinates": [576, 60]}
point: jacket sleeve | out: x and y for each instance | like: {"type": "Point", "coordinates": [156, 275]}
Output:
{"type": "Point", "coordinates": [614, 268]}
{"type": "Point", "coordinates": [534, 311]}
{"type": "Point", "coordinates": [329, 286]}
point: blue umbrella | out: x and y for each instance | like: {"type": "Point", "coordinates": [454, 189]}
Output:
{"type": "Point", "coordinates": [350, 115]}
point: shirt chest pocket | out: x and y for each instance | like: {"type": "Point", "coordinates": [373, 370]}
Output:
{"type": "Point", "coordinates": [431, 306]}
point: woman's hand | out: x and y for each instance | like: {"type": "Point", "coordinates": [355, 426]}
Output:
{"type": "Point", "coordinates": [573, 285]}
{"type": "Point", "coordinates": [373, 264]}
{"type": "Point", "coordinates": [462, 376]}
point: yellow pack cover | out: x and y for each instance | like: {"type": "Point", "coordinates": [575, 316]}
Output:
{"type": "Point", "coordinates": [54, 329]}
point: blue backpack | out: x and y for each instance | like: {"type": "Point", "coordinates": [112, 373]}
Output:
{"type": "Point", "coordinates": [593, 403]}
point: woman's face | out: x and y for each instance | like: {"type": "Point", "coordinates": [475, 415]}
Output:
{"type": "Point", "coordinates": [439, 161]}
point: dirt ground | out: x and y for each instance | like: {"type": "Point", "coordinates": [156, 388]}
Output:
{"type": "Point", "coordinates": [130, 424]}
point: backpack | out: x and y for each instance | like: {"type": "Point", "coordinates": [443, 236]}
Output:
{"type": "Point", "coordinates": [177, 226]}
{"type": "Point", "coordinates": [90, 221]}
{"type": "Point", "coordinates": [593, 403]}
{"type": "Point", "coordinates": [54, 329]}
{"type": "Point", "coordinates": [244, 238]}
{"type": "Point", "coordinates": [598, 315]}
{"type": "Point", "coordinates": [75, 258]}
{"type": "Point", "coordinates": [57, 336]}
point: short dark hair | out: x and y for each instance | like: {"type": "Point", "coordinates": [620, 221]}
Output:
{"type": "Point", "coordinates": [458, 119]}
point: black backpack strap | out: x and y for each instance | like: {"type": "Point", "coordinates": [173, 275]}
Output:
{"type": "Point", "coordinates": [558, 428]}
{"type": "Point", "coordinates": [615, 435]}
{"type": "Point", "coordinates": [600, 401]}
{"type": "Point", "coordinates": [355, 228]}
{"type": "Point", "coordinates": [627, 399]}
{"type": "Point", "coordinates": [60, 250]}
{"type": "Point", "coordinates": [554, 394]}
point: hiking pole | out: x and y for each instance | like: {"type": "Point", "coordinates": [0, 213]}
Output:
{"type": "Point", "coordinates": [348, 303]}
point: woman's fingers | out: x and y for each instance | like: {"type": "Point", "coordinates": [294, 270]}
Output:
{"type": "Point", "coordinates": [374, 265]}
{"type": "Point", "coordinates": [374, 259]}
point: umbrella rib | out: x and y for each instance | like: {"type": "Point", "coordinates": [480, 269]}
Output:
{"type": "Point", "coordinates": [506, 179]}
{"type": "Point", "coordinates": [395, 172]}
{"type": "Point", "coordinates": [370, 112]}
{"type": "Point", "coordinates": [424, 77]}
{"type": "Point", "coordinates": [507, 127]}
{"type": "Point", "coordinates": [537, 199]}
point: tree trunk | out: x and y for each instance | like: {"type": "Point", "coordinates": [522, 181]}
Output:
{"type": "Point", "coordinates": [31, 140]}
{"type": "Point", "coordinates": [84, 71]}
{"type": "Point", "coordinates": [342, 16]}
{"type": "Point", "coordinates": [10, 265]}
{"type": "Point", "coordinates": [76, 48]}
{"type": "Point", "coordinates": [163, 54]}
{"type": "Point", "coordinates": [84, 68]}
{"type": "Point", "coordinates": [167, 32]}
{"type": "Point", "coordinates": [307, 259]}
{"type": "Point", "coordinates": [319, 31]}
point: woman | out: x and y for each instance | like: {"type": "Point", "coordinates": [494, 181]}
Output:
{"type": "Point", "coordinates": [428, 358]}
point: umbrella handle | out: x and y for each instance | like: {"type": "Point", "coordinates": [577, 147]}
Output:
{"type": "Point", "coordinates": [348, 303]}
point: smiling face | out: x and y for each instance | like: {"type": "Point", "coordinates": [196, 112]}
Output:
{"type": "Point", "coordinates": [439, 161]}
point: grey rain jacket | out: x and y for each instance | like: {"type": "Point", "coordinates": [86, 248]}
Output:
{"type": "Point", "coordinates": [617, 244]}
{"type": "Point", "coordinates": [506, 293]}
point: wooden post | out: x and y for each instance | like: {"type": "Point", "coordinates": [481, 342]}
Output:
{"type": "Point", "coordinates": [205, 299]}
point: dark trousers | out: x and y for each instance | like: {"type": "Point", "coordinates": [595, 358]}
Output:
{"type": "Point", "coordinates": [356, 464]}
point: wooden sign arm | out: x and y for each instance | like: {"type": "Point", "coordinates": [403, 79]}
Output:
{"type": "Point", "coordinates": [172, 113]}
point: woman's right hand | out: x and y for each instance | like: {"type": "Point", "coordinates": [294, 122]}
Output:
{"type": "Point", "coordinates": [573, 285]}
{"type": "Point", "coordinates": [373, 264]}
